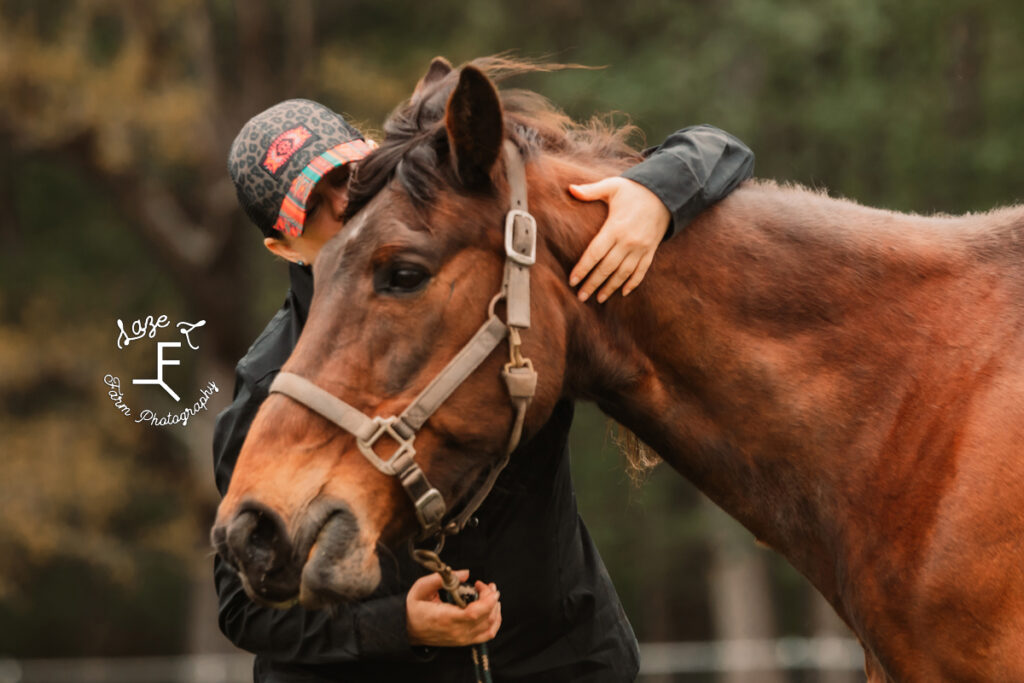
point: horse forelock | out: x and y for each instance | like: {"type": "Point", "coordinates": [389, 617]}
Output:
{"type": "Point", "coordinates": [415, 150]}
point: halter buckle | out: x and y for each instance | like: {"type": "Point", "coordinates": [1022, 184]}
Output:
{"type": "Point", "coordinates": [430, 509]}
{"type": "Point", "coordinates": [386, 425]}
{"type": "Point", "coordinates": [529, 258]}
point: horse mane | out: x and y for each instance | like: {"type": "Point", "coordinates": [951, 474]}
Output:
{"type": "Point", "coordinates": [415, 139]}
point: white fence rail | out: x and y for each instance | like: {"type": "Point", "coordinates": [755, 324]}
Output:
{"type": "Point", "coordinates": [214, 668]}
{"type": "Point", "coordinates": [817, 654]}
{"type": "Point", "coordinates": [812, 654]}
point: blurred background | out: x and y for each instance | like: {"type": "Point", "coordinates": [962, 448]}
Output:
{"type": "Point", "coordinates": [115, 121]}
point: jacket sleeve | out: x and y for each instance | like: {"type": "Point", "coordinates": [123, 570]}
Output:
{"type": "Point", "coordinates": [373, 628]}
{"type": "Point", "coordinates": [370, 629]}
{"type": "Point", "coordinates": [694, 168]}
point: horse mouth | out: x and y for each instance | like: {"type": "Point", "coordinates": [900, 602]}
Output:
{"type": "Point", "coordinates": [267, 597]}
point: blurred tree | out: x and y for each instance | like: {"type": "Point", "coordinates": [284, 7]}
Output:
{"type": "Point", "coordinates": [90, 499]}
{"type": "Point", "coordinates": [138, 100]}
{"type": "Point", "coordinates": [740, 587]}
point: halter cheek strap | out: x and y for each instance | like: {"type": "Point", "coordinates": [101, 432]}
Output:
{"type": "Point", "coordinates": [519, 375]}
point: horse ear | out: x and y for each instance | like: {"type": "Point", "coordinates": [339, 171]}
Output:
{"type": "Point", "coordinates": [473, 120]}
{"type": "Point", "coordinates": [438, 69]}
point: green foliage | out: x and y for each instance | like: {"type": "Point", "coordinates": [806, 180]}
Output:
{"type": "Point", "coordinates": [73, 608]}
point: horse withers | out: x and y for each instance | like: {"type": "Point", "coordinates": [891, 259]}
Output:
{"type": "Point", "coordinates": [845, 381]}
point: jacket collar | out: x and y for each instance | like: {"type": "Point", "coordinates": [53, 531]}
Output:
{"type": "Point", "coordinates": [301, 281]}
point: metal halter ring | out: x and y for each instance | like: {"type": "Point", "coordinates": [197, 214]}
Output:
{"type": "Point", "coordinates": [385, 425]}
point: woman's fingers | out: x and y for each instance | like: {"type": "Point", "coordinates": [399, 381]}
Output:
{"type": "Point", "coordinates": [623, 248]}
{"type": "Point", "coordinates": [607, 268]}
{"type": "Point", "coordinates": [638, 275]}
{"type": "Point", "coordinates": [595, 253]}
{"type": "Point", "coordinates": [485, 614]}
{"type": "Point", "coordinates": [624, 270]}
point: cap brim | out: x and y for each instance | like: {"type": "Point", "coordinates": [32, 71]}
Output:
{"type": "Point", "coordinates": [292, 217]}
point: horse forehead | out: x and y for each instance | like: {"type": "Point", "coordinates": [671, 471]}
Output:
{"type": "Point", "coordinates": [381, 210]}
{"type": "Point", "coordinates": [374, 210]}
{"type": "Point", "coordinates": [355, 229]}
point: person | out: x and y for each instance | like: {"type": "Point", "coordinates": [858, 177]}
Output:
{"type": "Point", "coordinates": [560, 618]}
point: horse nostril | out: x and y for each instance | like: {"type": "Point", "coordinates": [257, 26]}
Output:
{"type": "Point", "coordinates": [219, 541]}
{"type": "Point", "coordinates": [339, 532]}
{"type": "Point", "coordinates": [257, 543]}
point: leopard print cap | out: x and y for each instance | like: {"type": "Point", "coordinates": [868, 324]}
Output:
{"type": "Point", "coordinates": [274, 147]}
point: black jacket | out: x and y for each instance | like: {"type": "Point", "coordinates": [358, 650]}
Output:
{"type": "Point", "coordinates": [561, 617]}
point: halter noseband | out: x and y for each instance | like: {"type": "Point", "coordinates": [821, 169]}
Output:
{"type": "Point", "coordinates": [519, 375]}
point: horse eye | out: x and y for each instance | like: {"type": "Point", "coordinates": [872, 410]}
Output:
{"type": "Point", "coordinates": [406, 278]}
{"type": "Point", "coordinates": [402, 279]}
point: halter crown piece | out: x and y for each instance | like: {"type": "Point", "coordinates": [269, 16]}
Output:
{"type": "Point", "coordinates": [519, 375]}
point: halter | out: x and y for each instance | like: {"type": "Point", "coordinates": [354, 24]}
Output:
{"type": "Point", "coordinates": [518, 373]}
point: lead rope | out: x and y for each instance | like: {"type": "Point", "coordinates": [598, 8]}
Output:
{"type": "Point", "coordinates": [460, 595]}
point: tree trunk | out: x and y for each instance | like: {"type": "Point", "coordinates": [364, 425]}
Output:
{"type": "Point", "coordinates": [827, 624]}
{"type": "Point", "coordinates": [741, 600]}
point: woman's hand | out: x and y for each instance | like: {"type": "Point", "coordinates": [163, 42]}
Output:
{"type": "Point", "coordinates": [623, 248]}
{"type": "Point", "coordinates": [432, 622]}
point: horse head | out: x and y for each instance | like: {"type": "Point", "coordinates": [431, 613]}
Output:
{"type": "Point", "coordinates": [398, 293]}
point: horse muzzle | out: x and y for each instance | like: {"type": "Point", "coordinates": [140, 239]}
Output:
{"type": "Point", "coordinates": [325, 563]}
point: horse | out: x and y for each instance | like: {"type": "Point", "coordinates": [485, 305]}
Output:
{"type": "Point", "coordinates": [847, 382]}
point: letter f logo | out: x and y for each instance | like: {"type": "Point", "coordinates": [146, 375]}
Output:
{"type": "Point", "coordinates": [160, 363]}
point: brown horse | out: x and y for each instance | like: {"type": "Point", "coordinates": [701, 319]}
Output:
{"type": "Point", "coordinates": [847, 382]}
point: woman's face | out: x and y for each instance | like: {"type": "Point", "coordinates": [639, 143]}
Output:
{"type": "Point", "coordinates": [324, 208]}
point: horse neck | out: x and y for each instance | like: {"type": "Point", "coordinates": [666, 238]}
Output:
{"type": "Point", "coordinates": [749, 353]}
